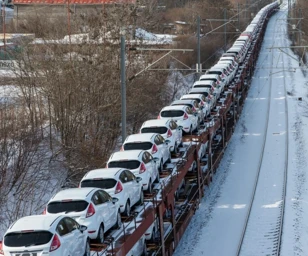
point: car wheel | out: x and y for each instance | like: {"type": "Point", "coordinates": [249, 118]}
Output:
{"type": "Point", "coordinates": [127, 209]}
{"type": "Point", "coordinates": [87, 251]}
{"type": "Point", "coordinates": [175, 149]}
{"type": "Point", "coordinates": [157, 178]}
{"type": "Point", "coordinates": [100, 236]}
{"type": "Point", "coordinates": [141, 200]}
{"type": "Point", "coordinates": [149, 190]}
{"type": "Point", "coordinates": [161, 166]}
{"type": "Point", "coordinates": [152, 239]}
{"type": "Point", "coordinates": [169, 159]}
{"type": "Point", "coordinates": [144, 250]}
{"type": "Point", "coordinates": [119, 221]}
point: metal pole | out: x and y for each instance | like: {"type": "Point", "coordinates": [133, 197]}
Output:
{"type": "Point", "coordinates": [123, 89]}
{"type": "Point", "coordinates": [238, 16]}
{"type": "Point", "coordinates": [300, 26]}
{"type": "Point", "coordinates": [4, 29]}
{"type": "Point", "coordinates": [225, 28]}
{"type": "Point", "coordinates": [198, 45]}
{"type": "Point", "coordinates": [246, 21]}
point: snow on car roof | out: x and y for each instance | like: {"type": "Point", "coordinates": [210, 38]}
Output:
{"type": "Point", "coordinates": [122, 155]}
{"type": "Point", "coordinates": [72, 193]}
{"type": "Point", "coordinates": [156, 122]}
{"type": "Point", "coordinates": [33, 222]}
{"type": "Point", "coordinates": [192, 96]}
{"type": "Point", "coordinates": [174, 108]}
{"type": "Point", "coordinates": [205, 82]}
{"type": "Point", "coordinates": [208, 76]}
{"type": "Point", "coordinates": [188, 101]}
{"type": "Point", "coordinates": [200, 89]}
{"type": "Point", "coordinates": [102, 173]}
{"type": "Point", "coordinates": [140, 137]}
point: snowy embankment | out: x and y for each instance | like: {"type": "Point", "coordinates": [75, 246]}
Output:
{"type": "Point", "coordinates": [217, 226]}
{"type": "Point", "coordinates": [30, 172]}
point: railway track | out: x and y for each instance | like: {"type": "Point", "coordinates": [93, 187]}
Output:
{"type": "Point", "coordinates": [265, 227]}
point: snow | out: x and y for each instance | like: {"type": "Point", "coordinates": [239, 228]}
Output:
{"type": "Point", "coordinates": [143, 37]}
{"type": "Point", "coordinates": [217, 227]}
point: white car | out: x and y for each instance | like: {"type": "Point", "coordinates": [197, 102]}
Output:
{"type": "Point", "coordinates": [139, 249]}
{"type": "Point", "coordinates": [227, 72]}
{"type": "Point", "coordinates": [214, 90]}
{"type": "Point", "coordinates": [53, 235]}
{"type": "Point", "coordinates": [218, 79]}
{"type": "Point", "coordinates": [211, 98]}
{"type": "Point", "coordinates": [166, 128]}
{"type": "Point", "coordinates": [193, 104]}
{"type": "Point", "coordinates": [91, 207]}
{"type": "Point", "coordinates": [141, 163]}
{"type": "Point", "coordinates": [239, 51]}
{"type": "Point", "coordinates": [204, 103]}
{"type": "Point", "coordinates": [183, 115]}
{"type": "Point", "coordinates": [154, 143]}
{"type": "Point", "coordinates": [230, 61]}
{"type": "Point", "coordinates": [118, 182]}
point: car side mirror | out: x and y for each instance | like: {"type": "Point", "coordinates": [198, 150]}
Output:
{"type": "Point", "coordinates": [114, 200]}
{"type": "Point", "coordinates": [167, 141]}
{"type": "Point", "coordinates": [195, 114]}
{"type": "Point", "coordinates": [82, 228]}
{"type": "Point", "coordinates": [180, 127]}
{"type": "Point", "coordinates": [138, 179]}
{"type": "Point", "coordinates": [201, 107]}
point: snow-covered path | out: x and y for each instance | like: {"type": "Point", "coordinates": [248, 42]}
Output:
{"type": "Point", "coordinates": [216, 229]}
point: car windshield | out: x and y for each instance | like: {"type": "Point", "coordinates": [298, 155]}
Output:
{"type": "Point", "coordinates": [98, 183]}
{"type": "Point", "coordinates": [203, 86]}
{"type": "Point", "coordinates": [138, 145]}
{"type": "Point", "coordinates": [129, 164]}
{"type": "Point", "coordinates": [172, 113]}
{"type": "Point", "coordinates": [67, 206]}
{"type": "Point", "coordinates": [211, 79]}
{"type": "Point", "coordinates": [160, 130]}
{"type": "Point", "coordinates": [19, 239]}
{"type": "Point", "coordinates": [215, 72]}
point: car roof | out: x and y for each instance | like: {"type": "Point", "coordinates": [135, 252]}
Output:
{"type": "Point", "coordinates": [140, 137]}
{"type": "Point", "coordinates": [243, 38]}
{"type": "Point", "coordinates": [34, 222]}
{"type": "Point", "coordinates": [209, 76]}
{"type": "Point", "coordinates": [188, 101]}
{"type": "Point", "coordinates": [102, 173]}
{"type": "Point", "coordinates": [156, 122]}
{"type": "Point", "coordinates": [229, 61]}
{"type": "Point", "coordinates": [72, 193]}
{"type": "Point", "coordinates": [195, 96]}
{"type": "Point", "coordinates": [200, 90]}
{"type": "Point", "coordinates": [174, 108]}
{"type": "Point", "coordinates": [234, 48]}
{"type": "Point", "coordinates": [220, 66]}
{"type": "Point", "coordinates": [129, 155]}
{"type": "Point", "coordinates": [204, 82]}
{"type": "Point", "coordinates": [215, 68]}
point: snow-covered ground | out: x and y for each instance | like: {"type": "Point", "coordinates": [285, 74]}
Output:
{"type": "Point", "coordinates": [217, 227]}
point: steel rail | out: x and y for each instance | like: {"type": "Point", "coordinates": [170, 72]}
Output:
{"type": "Point", "coordinates": [284, 185]}
{"type": "Point", "coordinates": [283, 204]}
{"type": "Point", "coordinates": [239, 248]}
